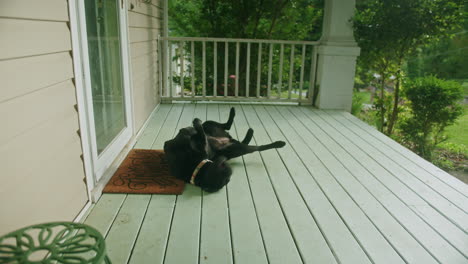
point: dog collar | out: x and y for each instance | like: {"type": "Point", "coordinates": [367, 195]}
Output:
{"type": "Point", "coordinates": [197, 169]}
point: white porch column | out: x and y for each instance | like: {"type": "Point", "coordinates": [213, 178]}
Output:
{"type": "Point", "coordinates": [337, 56]}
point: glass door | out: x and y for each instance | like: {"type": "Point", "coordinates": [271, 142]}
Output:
{"type": "Point", "coordinates": [107, 91]}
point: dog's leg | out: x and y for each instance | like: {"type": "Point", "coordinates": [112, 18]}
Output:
{"type": "Point", "coordinates": [276, 144]}
{"type": "Point", "coordinates": [198, 141]}
{"type": "Point", "coordinates": [248, 136]}
{"type": "Point", "coordinates": [238, 149]}
{"type": "Point", "coordinates": [228, 124]}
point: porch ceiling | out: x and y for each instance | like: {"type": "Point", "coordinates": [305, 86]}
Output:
{"type": "Point", "coordinates": [339, 192]}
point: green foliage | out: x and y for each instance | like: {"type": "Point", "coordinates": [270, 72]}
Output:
{"type": "Point", "coordinates": [253, 19]}
{"type": "Point", "coordinates": [388, 31]}
{"type": "Point", "coordinates": [363, 77]}
{"type": "Point", "coordinates": [445, 58]}
{"type": "Point", "coordinates": [451, 156]}
{"type": "Point", "coordinates": [383, 106]}
{"type": "Point", "coordinates": [262, 19]}
{"type": "Point", "coordinates": [358, 100]}
{"type": "Point", "coordinates": [434, 105]}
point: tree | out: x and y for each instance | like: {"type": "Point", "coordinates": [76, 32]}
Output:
{"type": "Point", "coordinates": [388, 31]}
{"type": "Point", "coordinates": [255, 19]}
{"type": "Point", "coordinates": [252, 19]}
{"type": "Point", "coordinates": [445, 58]}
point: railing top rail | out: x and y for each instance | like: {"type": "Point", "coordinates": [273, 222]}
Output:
{"type": "Point", "coordinates": [241, 40]}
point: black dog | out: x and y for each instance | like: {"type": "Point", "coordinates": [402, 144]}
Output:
{"type": "Point", "coordinates": [198, 154]}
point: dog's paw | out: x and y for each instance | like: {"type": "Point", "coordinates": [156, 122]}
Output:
{"type": "Point", "coordinates": [279, 144]}
{"type": "Point", "coordinates": [248, 136]}
{"type": "Point", "coordinates": [232, 112]}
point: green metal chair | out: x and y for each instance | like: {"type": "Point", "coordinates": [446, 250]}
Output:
{"type": "Point", "coordinates": [59, 242]}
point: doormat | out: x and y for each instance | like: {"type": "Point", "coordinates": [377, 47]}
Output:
{"type": "Point", "coordinates": [144, 171]}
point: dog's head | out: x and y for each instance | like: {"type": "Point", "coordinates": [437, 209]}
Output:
{"type": "Point", "coordinates": [214, 175]}
{"type": "Point", "coordinates": [183, 155]}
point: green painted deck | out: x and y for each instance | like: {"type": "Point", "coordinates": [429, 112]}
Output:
{"type": "Point", "coordinates": [339, 192]}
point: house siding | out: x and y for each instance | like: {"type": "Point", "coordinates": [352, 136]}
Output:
{"type": "Point", "coordinates": [145, 25]}
{"type": "Point", "coordinates": [42, 176]}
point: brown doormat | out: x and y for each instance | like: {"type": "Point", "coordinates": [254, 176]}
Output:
{"type": "Point", "coordinates": [144, 171]}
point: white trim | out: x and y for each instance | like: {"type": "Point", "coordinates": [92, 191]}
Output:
{"type": "Point", "coordinates": [97, 191]}
{"type": "Point", "coordinates": [86, 92]}
{"type": "Point", "coordinates": [111, 169]}
{"type": "Point", "coordinates": [84, 213]}
{"type": "Point", "coordinates": [235, 40]}
{"type": "Point", "coordinates": [143, 127]}
{"type": "Point", "coordinates": [80, 95]}
{"type": "Point", "coordinates": [103, 162]}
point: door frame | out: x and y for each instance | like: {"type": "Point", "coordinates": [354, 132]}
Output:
{"type": "Point", "coordinates": [97, 166]}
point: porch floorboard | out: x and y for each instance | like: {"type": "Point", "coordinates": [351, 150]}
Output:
{"type": "Point", "coordinates": [338, 192]}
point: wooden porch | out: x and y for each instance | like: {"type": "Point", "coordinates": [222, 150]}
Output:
{"type": "Point", "coordinates": [339, 192]}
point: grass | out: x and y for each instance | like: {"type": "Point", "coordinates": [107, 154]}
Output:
{"type": "Point", "coordinates": [464, 84]}
{"type": "Point", "coordinates": [458, 133]}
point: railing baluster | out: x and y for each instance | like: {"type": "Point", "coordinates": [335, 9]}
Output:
{"type": "Point", "coordinates": [192, 62]}
{"type": "Point", "coordinates": [204, 68]}
{"type": "Point", "coordinates": [182, 59]}
{"type": "Point", "coordinates": [270, 62]}
{"type": "Point", "coordinates": [291, 71]}
{"type": "Point", "coordinates": [302, 71]}
{"type": "Point", "coordinates": [236, 80]}
{"type": "Point", "coordinates": [247, 79]}
{"type": "Point", "coordinates": [165, 77]}
{"type": "Point", "coordinates": [170, 70]}
{"type": "Point", "coordinates": [226, 61]}
{"type": "Point", "coordinates": [280, 71]}
{"type": "Point", "coordinates": [215, 68]}
{"type": "Point", "coordinates": [160, 68]}
{"type": "Point", "coordinates": [174, 60]}
{"type": "Point", "coordinates": [312, 74]}
{"type": "Point", "coordinates": [259, 68]}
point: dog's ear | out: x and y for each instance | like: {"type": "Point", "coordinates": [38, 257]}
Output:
{"type": "Point", "coordinates": [216, 175]}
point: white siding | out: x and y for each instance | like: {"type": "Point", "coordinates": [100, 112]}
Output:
{"type": "Point", "coordinates": [42, 175]}
{"type": "Point", "coordinates": [145, 25]}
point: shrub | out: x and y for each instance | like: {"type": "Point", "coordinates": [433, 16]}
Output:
{"type": "Point", "coordinates": [358, 100]}
{"type": "Point", "coordinates": [434, 104]}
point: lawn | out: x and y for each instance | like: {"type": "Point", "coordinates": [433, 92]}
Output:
{"type": "Point", "coordinates": [465, 87]}
{"type": "Point", "coordinates": [458, 133]}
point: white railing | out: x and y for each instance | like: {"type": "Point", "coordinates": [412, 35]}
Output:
{"type": "Point", "coordinates": [237, 69]}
